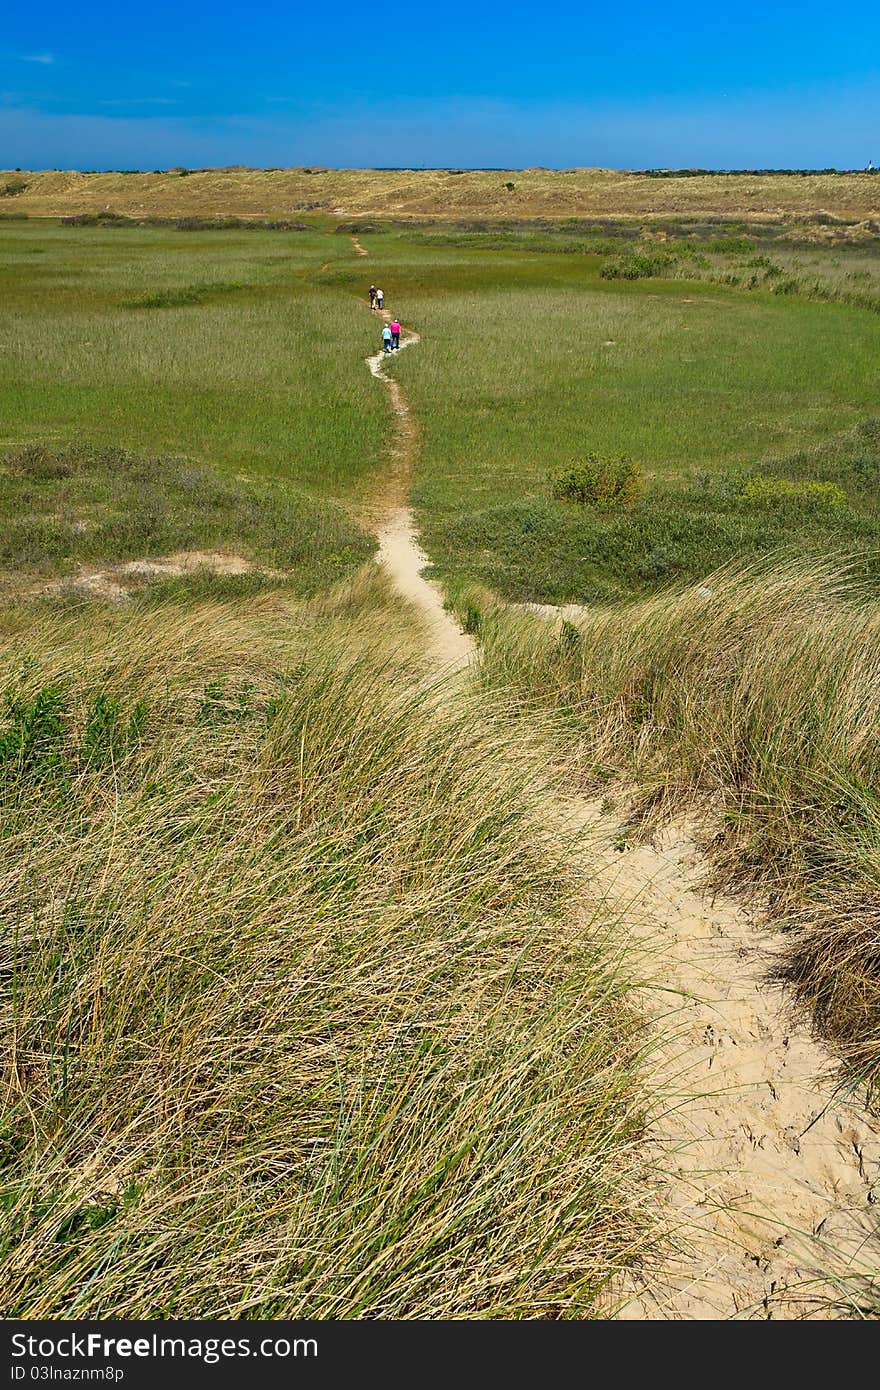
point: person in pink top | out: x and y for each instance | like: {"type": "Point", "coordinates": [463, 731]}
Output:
{"type": "Point", "coordinates": [395, 335]}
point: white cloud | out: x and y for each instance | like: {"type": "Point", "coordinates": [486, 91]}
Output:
{"type": "Point", "coordinates": [45, 58]}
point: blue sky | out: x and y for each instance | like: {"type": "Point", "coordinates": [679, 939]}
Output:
{"type": "Point", "coordinates": [769, 84]}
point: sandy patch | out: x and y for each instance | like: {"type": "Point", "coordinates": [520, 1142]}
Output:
{"type": "Point", "coordinates": [114, 583]}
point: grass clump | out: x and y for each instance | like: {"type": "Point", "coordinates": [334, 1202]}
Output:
{"type": "Point", "coordinates": [300, 1023]}
{"type": "Point", "coordinates": [755, 694]}
{"type": "Point", "coordinates": [186, 294]}
{"type": "Point", "coordinates": [639, 265]}
{"type": "Point", "coordinates": [599, 481]}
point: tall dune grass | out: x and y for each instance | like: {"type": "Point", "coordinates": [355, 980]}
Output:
{"type": "Point", "coordinates": [299, 1019]}
{"type": "Point", "coordinates": [759, 694]}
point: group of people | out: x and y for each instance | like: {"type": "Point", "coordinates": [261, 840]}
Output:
{"type": "Point", "coordinates": [391, 331]}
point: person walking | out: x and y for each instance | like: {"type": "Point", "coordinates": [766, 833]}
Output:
{"type": "Point", "coordinates": [372, 296]}
{"type": "Point", "coordinates": [395, 335]}
{"type": "Point", "coordinates": [386, 338]}
{"type": "Point", "coordinates": [380, 300]}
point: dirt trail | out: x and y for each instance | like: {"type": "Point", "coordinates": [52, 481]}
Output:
{"type": "Point", "coordinates": [399, 550]}
{"type": "Point", "coordinates": [769, 1185]}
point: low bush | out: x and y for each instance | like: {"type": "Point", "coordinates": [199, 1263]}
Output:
{"type": "Point", "coordinates": [729, 245]}
{"type": "Point", "coordinates": [184, 224]}
{"type": "Point", "coordinates": [186, 294]}
{"type": "Point", "coordinates": [600, 482]}
{"type": "Point", "coordinates": [639, 265]}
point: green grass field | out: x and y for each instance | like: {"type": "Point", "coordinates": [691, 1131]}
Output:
{"type": "Point", "coordinates": [261, 377]}
{"type": "Point", "coordinates": [242, 351]}
{"type": "Point", "coordinates": [236, 353]}
{"type": "Point", "coordinates": [531, 360]}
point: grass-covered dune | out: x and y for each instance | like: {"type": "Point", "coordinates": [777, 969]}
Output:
{"type": "Point", "coordinates": [73, 510]}
{"type": "Point", "coordinates": [439, 193]}
{"type": "Point", "coordinates": [752, 698]}
{"type": "Point", "coordinates": [300, 1020]}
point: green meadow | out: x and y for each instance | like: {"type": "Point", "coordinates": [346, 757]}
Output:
{"type": "Point", "coordinates": [242, 351]}
{"type": "Point", "coordinates": [245, 358]}
{"type": "Point", "coordinates": [531, 361]}
{"type": "Point", "coordinates": [229, 364]}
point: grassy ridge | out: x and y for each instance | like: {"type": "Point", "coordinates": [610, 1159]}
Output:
{"type": "Point", "coordinates": [755, 694]}
{"type": "Point", "coordinates": [300, 1022]}
{"type": "Point", "coordinates": [441, 193]}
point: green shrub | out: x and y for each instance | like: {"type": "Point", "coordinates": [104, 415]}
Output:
{"type": "Point", "coordinates": [640, 265]}
{"type": "Point", "coordinates": [730, 245]}
{"type": "Point", "coordinates": [603, 482]}
{"type": "Point", "coordinates": [808, 491]}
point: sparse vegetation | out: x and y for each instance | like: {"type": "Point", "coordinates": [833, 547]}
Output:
{"type": "Point", "coordinates": [750, 195]}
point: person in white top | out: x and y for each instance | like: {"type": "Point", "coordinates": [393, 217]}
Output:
{"type": "Point", "coordinates": [380, 299]}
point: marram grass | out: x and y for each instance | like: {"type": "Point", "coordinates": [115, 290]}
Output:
{"type": "Point", "coordinates": [299, 1021]}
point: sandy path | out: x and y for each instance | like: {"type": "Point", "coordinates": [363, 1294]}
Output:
{"type": "Point", "coordinates": [769, 1185]}
{"type": "Point", "coordinates": [399, 550]}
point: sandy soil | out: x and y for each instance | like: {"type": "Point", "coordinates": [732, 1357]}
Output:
{"type": "Point", "coordinates": [399, 550]}
{"type": "Point", "coordinates": [114, 583]}
{"type": "Point", "coordinates": [769, 1178]}
{"type": "Point", "coordinates": [403, 558]}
